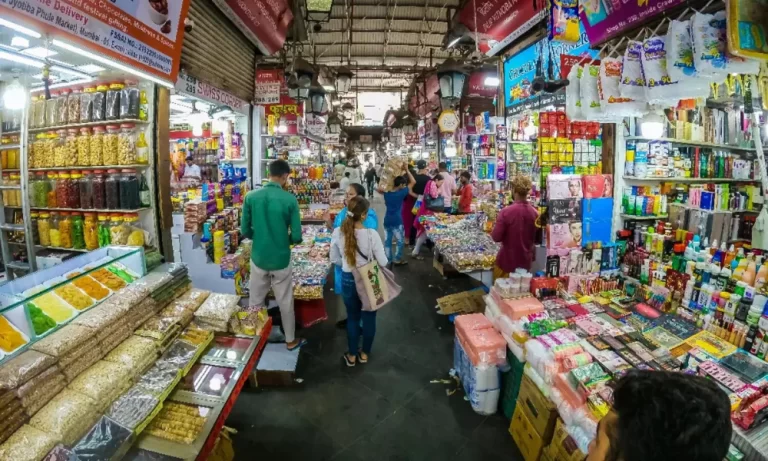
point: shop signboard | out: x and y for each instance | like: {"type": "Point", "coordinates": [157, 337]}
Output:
{"type": "Point", "coordinates": [477, 87]}
{"type": "Point", "coordinates": [287, 113]}
{"type": "Point", "coordinates": [264, 22]}
{"type": "Point", "coordinates": [146, 34]}
{"type": "Point", "coordinates": [316, 125]}
{"type": "Point", "coordinates": [192, 86]}
{"type": "Point", "coordinates": [520, 70]}
{"type": "Point", "coordinates": [268, 84]}
{"type": "Point", "coordinates": [421, 130]}
{"type": "Point", "coordinates": [411, 138]}
{"type": "Point", "coordinates": [605, 20]}
{"type": "Point", "coordinates": [448, 122]}
{"type": "Point", "coordinates": [497, 23]}
{"type": "Point", "coordinates": [430, 127]}
{"type": "Point", "coordinates": [332, 139]}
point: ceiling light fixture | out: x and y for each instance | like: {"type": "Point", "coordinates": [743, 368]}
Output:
{"type": "Point", "coordinates": [111, 63]}
{"type": "Point", "coordinates": [91, 68]}
{"type": "Point", "coordinates": [19, 28]}
{"type": "Point", "coordinates": [21, 59]}
{"type": "Point", "coordinates": [19, 42]}
{"type": "Point", "coordinates": [62, 85]}
{"type": "Point", "coordinates": [491, 81]}
{"type": "Point", "coordinates": [344, 79]}
{"type": "Point", "coordinates": [14, 96]}
{"type": "Point", "coordinates": [40, 52]}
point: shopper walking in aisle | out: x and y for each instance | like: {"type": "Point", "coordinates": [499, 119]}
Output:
{"type": "Point", "coordinates": [448, 189]}
{"type": "Point", "coordinates": [466, 191]}
{"type": "Point", "coordinates": [338, 170]}
{"type": "Point", "coordinates": [515, 229]}
{"type": "Point", "coordinates": [370, 179]}
{"type": "Point", "coordinates": [271, 220]}
{"type": "Point", "coordinates": [344, 183]}
{"type": "Point", "coordinates": [664, 416]}
{"type": "Point", "coordinates": [370, 222]}
{"type": "Point", "coordinates": [355, 172]}
{"type": "Point", "coordinates": [353, 245]}
{"type": "Point", "coordinates": [431, 190]}
{"type": "Point", "coordinates": [393, 219]}
{"type": "Point", "coordinates": [422, 178]}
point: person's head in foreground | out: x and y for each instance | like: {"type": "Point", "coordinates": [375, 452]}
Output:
{"type": "Point", "coordinates": [421, 165]}
{"type": "Point", "coordinates": [190, 160]}
{"type": "Point", "coordinates": [664, 416]}
{"type": "Point", "coordinates": [465, 177]}
{"type": "Point", "coordinates": [442, 167]}
{"type": "Point", "coordinates": [439, 180]}
{"type": "Point", "coordinates": [521, 187]}
{"type": "Point", "coordinates": [353, 191]}
{"type": "Point", "coordinates": [400, 182]}
{"type": "Point", "coordinates": [279, 171]}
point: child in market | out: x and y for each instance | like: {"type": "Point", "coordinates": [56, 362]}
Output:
{"type": "Point", "coordinates": [393, 219]}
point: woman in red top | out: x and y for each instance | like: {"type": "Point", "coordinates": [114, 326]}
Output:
{"type": "Point", "coordinates": [515, 229]}
{"type": "Point", "coordinates": [465, 192]}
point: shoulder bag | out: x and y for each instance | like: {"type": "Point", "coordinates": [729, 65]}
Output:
{"type": "Point", "coordinates": [375, 284]}
{"type": "Point", "coordinates": [433, 204]}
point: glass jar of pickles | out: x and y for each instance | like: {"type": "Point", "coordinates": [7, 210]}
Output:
{"type": "Point", "coordinates": [44, 229]}
{"type": "Point", "coordinates": [38, 190]}
{"type": "Point", "coordinates": [130, 100]}
{"type": "Point", "coordinates": [38, 151]}
{"type": "Point", "coordinates": [126, 146]}
{"type": "Point", "coordinates": [117, 234]}
{"type": "Point", "coordinates": [62, 189]}
{"type": "Point", "coordinates": [62, 111]}
{"type": "Point", "coordinates": [97, 146]}
{"type": "Point", "coordinates": [86, 104]}
{"type": "Point", "coordinates": [15, 193]}
{"type": "Point", "coordinates": [38, 111]}
{"type": "Point", "coordinates": [103, 229]}
{"type": "Point", "coordinates": [78, 231]}
{"type": "Point", "coordinates": [71, 144]}
{"type": "Point", "coordinates": [73, 190]}
{"type": "Point", "coordinates": [112, 190]}
{"type": "Point", "coordinates": [54, 233]}
{"type": "Point", "coordinates": [33, 219]}
{"type": "Point", "coordinates": [99, 103]}
{"type": "Point", "coordinates": [73, 105]}
{"type": "Point", "coordinates": [90, 231]}
{"type": "Point", "coordinates": [113, 100]}
{"type": "Point", "coordinates": [49, 157]}
{"type": "Point", "coordinates": [110, 145]}
{"type": "Point", "coordinates": [50, 110]}
{"type": "Point", "coordinates": [84, 147]}
{"type": "Point", "coordinates": [53, 178]}
{"type": "Point", "coordinates": [60, 149]}
{"type": "Point", "coordinates": [65, 230]}
{"type": "Point", "coordinates": [129, 190]}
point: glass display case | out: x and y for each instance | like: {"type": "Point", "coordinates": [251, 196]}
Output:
{"type": "Point", "coordinates": [36, 305]}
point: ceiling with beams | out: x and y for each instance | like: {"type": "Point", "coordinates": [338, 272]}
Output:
{"type": "Point", "coordinates": [386, 43]}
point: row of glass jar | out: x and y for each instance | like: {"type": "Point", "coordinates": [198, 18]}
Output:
{"type": "Point", "coordinates": [10, 157]}
{"type": "Point", "coordinates": [86, 231]}
{"type": "Point", "coordinates": [106, 101]}
{"type": "Point", "coordinates": [110, 145]}
{"type": "Point", "coordinates": [88, 189]}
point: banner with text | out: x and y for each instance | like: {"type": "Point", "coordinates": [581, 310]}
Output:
{"type": "Point", "coordinates": [605, 20]}
{"type": "Point", "coordinates": [497, 23]}
{"type": "Point", "coordinates": [269, 83]}
{"type": "Point", "coordinates": [264, 22]}
{"type": "Point", "coordinates": [142, 33]}
{"type": "Point", "coordinates": [192, 86]}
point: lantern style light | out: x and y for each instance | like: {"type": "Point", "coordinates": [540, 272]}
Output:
{"type": "Point", "coordinates": [318, 103]}
{"type": "Point", "coordinates": [334, 124]}
{"type": "Point", "coordinates": [300, 79]}
{"type": "Point", "coordinates": [451, 76]}
{"type": "Point", "coordinates": [343, 80]}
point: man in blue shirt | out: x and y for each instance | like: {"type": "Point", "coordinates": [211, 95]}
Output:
{"type": "Point", "coordinates": [393, 219]}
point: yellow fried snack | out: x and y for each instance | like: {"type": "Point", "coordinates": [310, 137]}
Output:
{"type": "Point", "coordinates": [91, 287]}
{"type": "Point", "coordinates": [74, 297]}
{"type": "Point", "coordinates": [109, 279]}
{"type": "Point", "coordinates": [10, 338]}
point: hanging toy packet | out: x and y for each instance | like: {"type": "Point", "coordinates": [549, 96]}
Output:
{"type": "Point", "coordinates": [709, 45]}
{"type": "Point", "coordinates": [564, 20]}
{"type": "Point", "coordinates": [632, 84]}
{"type": "Point", "coordinates": [660, 88]}
{"type": "Point", "coordinates": [611, 101]}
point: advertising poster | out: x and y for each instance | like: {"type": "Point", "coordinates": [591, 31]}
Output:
{"type": "Point", "coordinates": [265, 23]}
{"type": "Point", "coordinates": [501, 152]}
{"type": "Point", "coordinates": [604, 19]}
{"type": "Point", "coordinates": [497, 23]}
{"type": "Point", "coordinates": [142, 33]}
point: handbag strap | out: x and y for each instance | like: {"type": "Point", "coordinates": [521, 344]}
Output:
{"type": "Point", "coordinates": [370, 247]}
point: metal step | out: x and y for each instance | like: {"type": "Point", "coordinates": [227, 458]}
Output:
{"type": "Point", "coordinates": [12, 227]}
{"type": "Point", "coordinates": [10, 186]}
{"type": "Point", "coordinates": [18, 265]}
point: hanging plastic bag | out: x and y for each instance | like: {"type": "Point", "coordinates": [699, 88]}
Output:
{"type": "Point", "coordinates": [590, 98]}
{"type": "Point", "coordinates": [611, 101]}
{"type": "Point", "coordinates": [632, 84]}
{"type": "Point", "coordinates": [659, 85]}
{"type": "Point", "coordinates": [572, 96]}
{"type": "Point", "coordinates": [564, 20]}
{"type": "Point", "coordinates": [680, 66]}
{"type": "Point", "coordinates": [709, 45]}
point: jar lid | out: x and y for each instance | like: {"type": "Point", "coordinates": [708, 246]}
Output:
{"type": "Point", "coordinates": [76, 175]}
{"type": "Point", "coordinates": [77, 89]}
{"type": "Point", "coordinates": [117, 216]}
{"type": "Point", "coordinates": [45, 215]}
{"type": "Point", "coordinates": [59, 132]}
{"type": "Point", "coordinates": [85, 130]}
{"type": "Point", "coordinates": [113, 127]}
{"type": "Point", "coordinates": [76, 214]}
{"type": "Point", "coordinates": [129, 170]}
{"type": "Point", "coordinates": [101, 87]}
{"type": "Point", "coordinates": [39, 173]}
{"type": "Point", "coordinates": [127, 125]}
{"type": "Point", "coordinates": [66, 91]}
{"type": "Point", "coordinates": [34, 214]}
{"type": "Point", "coordinates": [89, 89]}
{"type": "Point", "coordinates": [52, 174]}
{"type": "Point", "coordinates": [131, 82]}
{"type": "Point", "coordinates": [98, 128]}
{"type": "Point", "coordinates": [111, 171]}
{"type": "Point", "coordinates": [72, 131]}
{"type": "Point", "coordinates": [98, 171]}
{"type": "Point", "coordinates": [116, 85]}
{"type": "Point", "coordinates": [54, 93]}
{"type": "Point", "coordinates": [64, 175]}
{"type": "Point", "coordinates": [103, 216]}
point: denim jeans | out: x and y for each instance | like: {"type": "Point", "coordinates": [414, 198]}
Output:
{"type": "Point", "coordinates": [354, 314]}
{"type": "Point", "coordinates": [398, 234]}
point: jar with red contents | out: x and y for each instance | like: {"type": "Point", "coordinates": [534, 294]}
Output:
{"type": "Point", "coordinates": [62, 189]}
{"type": "Point", "coordinates": [73, 189]}
{"type": "Point", "coordinates": [85, 186]}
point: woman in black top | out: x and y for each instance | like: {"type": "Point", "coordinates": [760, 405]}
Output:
{"type": "Point", "coordinates": [422, 178]}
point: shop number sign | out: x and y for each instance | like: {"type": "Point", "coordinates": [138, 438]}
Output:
{"type": "Point", "coordinates": [448, 121]}
{"type": "Point", "coordinates": [194, 87]}
{"type": "Point", "coordinates": [268, 85]}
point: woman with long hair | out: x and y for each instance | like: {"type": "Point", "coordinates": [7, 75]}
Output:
{"type": "Point", "coordinates": [353, 245]}
{"type": "Point", "coordinates": [431, 190]}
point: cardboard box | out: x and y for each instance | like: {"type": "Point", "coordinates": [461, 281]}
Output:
{"type": "Point", "coordinates": [525, 436]}
{"type": "Point", "coordinates": [540, 411]}
{"type": "Point", "coordinates": [466, 302]}
{"type": "Point", "coordinates": [442, 266]}
{"type": "Point", "coordinates": [563, 447]}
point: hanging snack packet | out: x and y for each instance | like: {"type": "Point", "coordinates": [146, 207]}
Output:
{"type": "Point", "coordinates": [659, 85]}
{"type": "Point", "coordinates": [572, 97]}
{"type": "Point", "coordinates": [611, 101]}
{"type": "Point", "coordinates": [632, 84]}
{"type": "Point", "coordinates": [709, 46]}
{"type": "Point", "coordinates": [590, 98]}
{"type": "Point", "coordinates": [564, 20]}
{"type": "Point", "coordinates": [680, 61]}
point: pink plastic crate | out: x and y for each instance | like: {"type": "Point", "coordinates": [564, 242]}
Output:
{"type": "Point", "coordinates": [484, 346]}
{"type": "Point", "coordinates": [470, 322]}
{"type": "Point", "coordinates": [518, 308]}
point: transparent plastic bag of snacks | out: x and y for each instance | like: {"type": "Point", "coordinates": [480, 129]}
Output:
{"type": "Point", "coordinates": [27, 444]}
{"type": "Point", "coordinates": [680, 65]}
{"type": "Point", "coordinates": [101, 316]}
{"type": "Point", "coordinates": [157, 379]}
{"type": "Point", "coordinates": [36, 398]}
{"type": "Point", "coordinates": [590, 96]}
{"type": "Point", "coordinates": [60, 342]}
{"type": "Point", "coordinates": [60, 453]}
{"type": "Point", "coordinates": [572, 97]}
{"type": "Point", "coordinates": [22, 368]}
{"type": "Point", "coordinates": [218, 307]}
{"type": "Point", "coordinates": [177, 356]}
{"type": "Point", "coordinates": [659, 85]}
{"type": "Point", "coordinates": [632, 84]}
{"type": "Point", "coordinates": [132, 352]}
{"type": "Point", "coordinates": [67, 417]}
{"type": "Point", "coordinates": [710, 57]}
{"type": "Point", "coordinates": [105, 441]}
{"type": "Point", "coordinates": [133, 407]}
{"type": "Point", "coordinates": [101, 380]}
{"type": "Point", "coordinates": [611, 101]}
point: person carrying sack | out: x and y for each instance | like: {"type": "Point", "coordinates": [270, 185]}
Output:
{"type": "Point", "coordinates": [354, 247]}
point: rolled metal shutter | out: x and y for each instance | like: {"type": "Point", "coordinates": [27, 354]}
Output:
{"type": "Point", "coordinates": [216, 52]}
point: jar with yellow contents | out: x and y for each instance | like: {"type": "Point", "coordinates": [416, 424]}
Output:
{"type": "Point", "coordinates": [84, 147]}
{"type": "Point", "coordinates": [53, 178]}
{"type": "Point", "coordinates": [65, 230]}
{"type": "Point", "coordinates": [117, 232]}
{"type": "Point", "coordinates": [91, 231]}
{"type": "Point", "coordinates": [54, 233]}
{"type": "Point", "coordinates": [97, 146]}
{"type": "Point", "coordinates": [60, 149]}
{"type": "Point", "coordinates": [37, 151]}
{"type": "Point", "coordinates": [49, 153]}
{"type": "Point", "coordinates": [44, 229]}
{"type": "Point", "coordinates": [111, 145]}
{"type": "Point", "coordinates": [15, 193]}
{"type": "Point", "coordinates": [71, 144]}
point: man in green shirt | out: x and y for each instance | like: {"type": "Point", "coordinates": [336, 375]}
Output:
{"type": "Point", "coordinates": [271, 219]}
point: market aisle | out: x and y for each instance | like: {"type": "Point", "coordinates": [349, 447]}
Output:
{"type": "Point", "coordinates": [384, 410]}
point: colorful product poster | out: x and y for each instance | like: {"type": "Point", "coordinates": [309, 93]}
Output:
{"type": "Point", "coordinates": [501, 152]}
{"type": "Point", "coordinates": [605, 19]}
{"type": "Point", "coordinates": [564, 210]}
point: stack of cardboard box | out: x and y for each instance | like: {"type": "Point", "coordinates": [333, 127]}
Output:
{"type": "Point", "coordinates": [562, 447]}
{"type": "Point", "coordinates": [533, 421]}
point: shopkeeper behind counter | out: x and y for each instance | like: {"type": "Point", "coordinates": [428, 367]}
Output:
{"type": "Point", "coordinates": [192, 171]}
{"type": "Point", "coordinates": [515, 229]}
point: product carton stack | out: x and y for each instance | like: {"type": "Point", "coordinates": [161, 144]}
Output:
{"type": "Point", "coordinates": [533, 422]}
{"type": "Point", "coordinates": [478, 349]}
{"type": "Point", "coordinates": [562, 447]}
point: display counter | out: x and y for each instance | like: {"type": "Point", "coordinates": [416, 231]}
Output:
{"type": "Point", "coordinates": [753, 443]}
{"type": "Point", "coordinates": [461, 241]}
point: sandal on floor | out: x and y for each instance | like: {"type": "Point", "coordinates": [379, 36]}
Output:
{"type": "Point", "coordinates": [349, 363]}
{"type": "Point", "coordinates": [360, 358]}
{"type": "Point", "coordinates": [302, 342]}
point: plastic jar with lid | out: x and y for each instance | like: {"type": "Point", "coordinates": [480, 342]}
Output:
{"type": "Point", "coordinates": [135, 233]}
{"type": "Point", "coordinates": [96, 150]}
{"type": "Point", "coordinates": [44, 229]}
{"type": "Point", "coordinates": [85, 186]}
{"type": "Point", "coordinates": [129, 190]}
{"type": "Point", "coordinates": [7, 192]}
{"type": "Point", "coordinates": [37, 152]}
{"type": "Point", "coordinates": [73, 105]}
{"type": "Point", "coordinates": [84, 147]}
{"type": "Point", "coordinates": [54, 233]}
{"type": "Point", "coordinates": [62, 189]}
{"type": "Point", "coordinates": [142, 149]}
{"type": "Point", "coordinates": [62, 111]}
{"type": "Point", "coordinates": [65, 230]}
{"type": "Point", "coordinates": [38, 191]}
{"type": "Point", "coordinates": [73, 190]}
{"type": "Point", "coordinates": [49, 153]}
{"type": "Point", "coordinates": [100, 103]}
{"type": "Point", "coordinates": [109, 153]}
{"type": "Point", "coordinates": [12, 159]}
{"type": "Point", "coordinates": [113, 100]}
{"type": "Point", "coordinates": [98, 187]}
{"type": "Point", "coordinates": [130, 100]}
{"type": "Point", "coordinates": [33, 219]}
{"type": "Point", "coordinates": [38, 120]}
{"type": "Point", "coordinates": [90, 231]}
{"type": "Point", "coordinates": [117, 233]}
{"type": "Point", "coordinates": [103, 229]}
{"type": "Point", "coordinates": [50, 110]}
{"type": "Point", "coordinates": [78, 231]}
{"type": "Point", "coordinates": [71, 144]}
{"type": "Point", "coordinates": [60, 149]}
{"type": "Point", "coordinates": [53, 178]}
{"type": "Point", "coordinates": [86, 104]}
{"type": "Point", "coordinates": [126, 144]}
{"type": "Point", "coordinates": [16, 192]}
{"type": "Point", "coordinates": [112, 190]}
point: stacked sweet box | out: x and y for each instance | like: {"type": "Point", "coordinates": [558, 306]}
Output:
{"type": "Point", "coordinates": [481, 342]}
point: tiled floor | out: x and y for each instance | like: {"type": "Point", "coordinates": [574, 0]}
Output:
{"type": "Point", "coordinates": [384, 410]}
